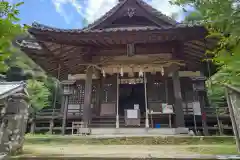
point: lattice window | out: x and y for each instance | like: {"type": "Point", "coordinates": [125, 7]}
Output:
{"type": "Point", "coordinates": [78, 95]}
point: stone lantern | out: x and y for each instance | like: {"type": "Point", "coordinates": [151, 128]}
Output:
{"type": "Point", "coordinates": [200, 95]}
{"type": "Point", "coordinates": [68, 87]}
{"type": "Point", "coordinates": [199, 84]}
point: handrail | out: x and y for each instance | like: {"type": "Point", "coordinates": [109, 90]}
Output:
{"type": "Point", "coordinates": [232, 88]}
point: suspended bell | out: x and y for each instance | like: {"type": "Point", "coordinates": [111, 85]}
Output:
{"type": "Point", "coordinates": [121, 71]}
{"type": "Point", "coordinates": [162, 71]}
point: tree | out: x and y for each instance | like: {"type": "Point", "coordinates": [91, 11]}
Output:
{"type": "Point", "coordinates": [9, 30]}
{"type": "Point", "coordinates": [38, 94]}
{"type": "Point", "coordinates": [222, 19]}
{"type": "Point", "coordinates": [193, 17]}
{"type": "Point", "coordinates": [21, 67]}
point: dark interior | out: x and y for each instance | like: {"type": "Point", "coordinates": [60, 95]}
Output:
{"type": "Point", "coordinates": [131, 94]}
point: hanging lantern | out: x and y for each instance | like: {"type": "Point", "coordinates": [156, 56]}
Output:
{"type": "Point", "coordinates": [162, 71]}
{"type": "Point", "coordinates": [121, 71]}
{"type": "Point", "coordinates": [104, 74]}
{"type": "Point", "coordinates": [140, 73]}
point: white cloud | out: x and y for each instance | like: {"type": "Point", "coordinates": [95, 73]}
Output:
{"type": "Point", "coordinates": [165, 7]}
{"type": "Point", "coordinates": [97, 8]}
{"type": "Point", "coordinates": [68, 16]}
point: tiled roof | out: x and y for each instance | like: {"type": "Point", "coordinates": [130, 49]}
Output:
{"type": "Point", "coordinates": [157, 13]}
{"type": "Point", "coordinates": [118, 29]}
{"type": "Point", "coordinates": [2, 78]}
{"type": "Point", "coordinates": [91, 28]}
{"type": "Point", "coordinates": [146, 6]}
{"type": "Point", "coordinates": [9, 88]}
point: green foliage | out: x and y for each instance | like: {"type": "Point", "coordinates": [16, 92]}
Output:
{"type": "Point", "coordinates": [193, 17]}
{"type": "Point", "coordinates": [40, 87]}
{"type": "Point", "coordinates": [9, 29]}
{"type": "Point", "coordinates": [39, 94]}
{"type": "Point", "coordinates": [38, 90]}
{"type": "Point", "coordinates": [54, 87]}
{"type": "Point", "coordinates": [222, 18]}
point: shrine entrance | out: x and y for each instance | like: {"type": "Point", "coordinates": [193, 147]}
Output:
{"type": "Point", "coordinates": [131, 97]}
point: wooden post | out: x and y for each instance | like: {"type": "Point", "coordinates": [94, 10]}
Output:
{"type": "Point", "coordinates": [117, 114]}
{"type": "Point", "coordinates": [65, 115]}
{"type": "Point", "coordinates": [62, 103]}
{"type": "Point", "coordinates": [146, 100]}
{"type": "Point", "coordinates": [204, 116]}
{"type": "Point", "coordinates": [87, 96]}
{"type": "Point", "coordinates": [166, 90]}
{"type": "Point", "coordinates": [178, 106]}
{"type": "Point", "coordinates": [98, 94]}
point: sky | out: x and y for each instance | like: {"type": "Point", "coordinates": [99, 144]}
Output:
{"type": "Point", "coordinates": [70, 14]}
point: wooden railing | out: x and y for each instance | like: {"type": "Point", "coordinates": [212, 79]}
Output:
{"type": "Point", "coordinates": [48, 113]}
{"type": "Point", "coordinates": [233, 100]}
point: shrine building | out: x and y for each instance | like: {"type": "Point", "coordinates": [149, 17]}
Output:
{"type": "Point", "coordinates": [134, 67]}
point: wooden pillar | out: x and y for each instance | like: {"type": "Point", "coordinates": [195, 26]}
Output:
{"type": "Point", "coordinates": [117, 114]}
{"type": "Point", "coordinates": [98, 94]}
{"type": "Point", "coordinates": [62, 103]}
{"type": "Point", "coordinates": [146, 100]}
{"type": "Point", "coordinates": [65, 114]}
{"type": "Point", "coordinates": [204, 116]}
{"type": "Point", "coordinates": [87, 96]}
{"type": "Point", "coordinates": [178, 106]}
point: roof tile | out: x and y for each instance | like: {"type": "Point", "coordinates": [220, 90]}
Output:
{"type": "Point", "coordinates": [8, 88]}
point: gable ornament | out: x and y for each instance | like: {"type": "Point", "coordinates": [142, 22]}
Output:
{"type": "Point", "coordinates": [131, 12]}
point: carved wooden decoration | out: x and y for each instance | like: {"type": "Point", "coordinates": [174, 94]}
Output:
{"type": "Point", "coordinates": [130, 50]}
{"type": "Point", "coordinates": [131, 12]}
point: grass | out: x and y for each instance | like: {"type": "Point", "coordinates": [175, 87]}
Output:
{"type": "Point", "coordinates": [118, 151]}
{"type": "Point", "coordinates": [216, 150]}
{"type": "Point", "coordinates": [46, 145]}
{"type": "Point", "coordinates": [160, 140]}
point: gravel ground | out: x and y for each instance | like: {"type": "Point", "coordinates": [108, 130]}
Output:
{"type": "Point", "coordinates": [126, 151]}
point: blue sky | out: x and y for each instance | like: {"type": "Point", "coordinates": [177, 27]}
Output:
{"type": "Point", "coordinates": [70, 13]}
